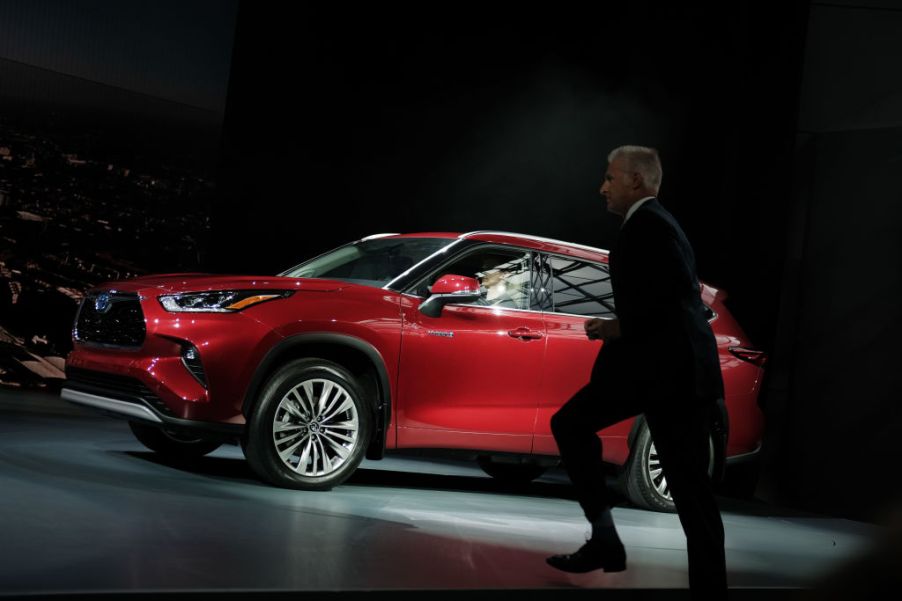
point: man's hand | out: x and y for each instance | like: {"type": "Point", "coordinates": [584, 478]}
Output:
{"type": "Point", "coordinates": [602, 329]}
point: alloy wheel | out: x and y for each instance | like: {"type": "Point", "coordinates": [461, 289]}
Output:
{"type": "Point", "coordinates": [656, 471]}
{"type": "Point", "coordinates": [316, 427]}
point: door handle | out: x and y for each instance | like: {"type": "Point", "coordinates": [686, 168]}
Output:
{"type": "Point", "coordinates": [525, 334]}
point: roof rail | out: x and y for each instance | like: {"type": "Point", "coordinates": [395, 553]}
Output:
{"type": "Point", "coordinates": [374, 236]}
{"type": "Point", "coordinates": [536, 238]}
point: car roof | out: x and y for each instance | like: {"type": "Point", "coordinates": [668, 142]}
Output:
{"type": "Point", "coordinates": [539, 243]}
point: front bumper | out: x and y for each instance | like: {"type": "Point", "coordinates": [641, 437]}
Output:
{"type": "Point", "coordinates": [149, 380]}
{"type": "Point", "coordinates": [118, 407]}
{"type": "Point", "coordinates": [128, 398]}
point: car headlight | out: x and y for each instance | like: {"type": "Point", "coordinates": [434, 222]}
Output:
{"type": "Point", "coordinates": [220, 301]}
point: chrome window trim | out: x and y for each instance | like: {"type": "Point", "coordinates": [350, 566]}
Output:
{"type": "Point", "coordinates": [492, 308]}
{"type": "Point", "coordinates": [575, 315]}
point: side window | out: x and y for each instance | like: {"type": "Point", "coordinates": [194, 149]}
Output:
{"type": "Point", "coordinates": [581, 288]}
{"type": "Point", "coordinates": [542, 298]}
{"type": "Point", "coordinates": [502, 273]}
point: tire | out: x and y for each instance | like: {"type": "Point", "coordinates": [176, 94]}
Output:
{"type": "Point", "coordinates": [176, 445]}
{"type": "Point", "coordinates": [310, 426]}
{"type": "Point", "coordinates": [645, 485]}
{"type": "Point", "coordinates": [510, 473]}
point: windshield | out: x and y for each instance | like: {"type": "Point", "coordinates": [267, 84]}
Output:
{"type": "Point", "coordinates": [370, 262]}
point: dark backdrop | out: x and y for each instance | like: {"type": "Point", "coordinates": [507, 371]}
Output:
{"type": "Point", "coordinates": [834, 410]}
{"type": "Point", "coordinates": [340, 125]}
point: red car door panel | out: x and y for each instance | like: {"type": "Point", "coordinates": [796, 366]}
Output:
{"type": "Point", "coordinates": [470, 378]}
{"type": "Point", "coordinates": [569, 357]}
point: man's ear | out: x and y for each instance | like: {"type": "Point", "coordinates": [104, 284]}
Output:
{"type": "Point", "coordinates": [637, 180]}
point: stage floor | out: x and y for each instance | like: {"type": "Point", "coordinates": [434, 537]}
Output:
{"type": "Point", "coordinates": [84, 508]}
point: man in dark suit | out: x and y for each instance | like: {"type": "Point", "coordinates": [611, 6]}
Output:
{"type": "Point", "coordinates": [658, 358]}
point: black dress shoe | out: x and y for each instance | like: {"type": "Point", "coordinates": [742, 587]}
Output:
{"type": "Point", "coordinates": [591, 556]}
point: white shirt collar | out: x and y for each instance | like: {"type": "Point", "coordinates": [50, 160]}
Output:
{"type": "Point", "coordinates": [635, 208]}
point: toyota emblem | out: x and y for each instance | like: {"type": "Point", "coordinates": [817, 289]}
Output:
{"type": "Point", "coordinates": [103, 303]}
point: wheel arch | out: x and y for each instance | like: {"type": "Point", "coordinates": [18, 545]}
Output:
{"type": "Point", "coordinates": [356, 355]}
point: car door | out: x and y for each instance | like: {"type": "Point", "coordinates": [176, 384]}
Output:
{"type": "Point", "coordinates": [471, 377]}
{"type": "Point", "coordinates": [576, 290]}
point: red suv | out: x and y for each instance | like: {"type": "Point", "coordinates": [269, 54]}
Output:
{"type": "Point", "coordinates": [431, 340]}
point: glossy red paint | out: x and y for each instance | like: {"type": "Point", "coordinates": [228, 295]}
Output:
{"type": "Point", "coordinates": [568, 363]}
{"type": "Point", "coordinates": [442, 389]}
{"type": "Point", "coordinates": [476, 377]}
{"type": "Point", "coordinates": [449, 284]}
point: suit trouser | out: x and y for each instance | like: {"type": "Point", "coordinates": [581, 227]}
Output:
{"type": "Point", "coordinates": [680, 429]}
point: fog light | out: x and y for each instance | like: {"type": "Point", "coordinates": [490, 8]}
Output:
{"type": "Point", "coordinates": [191, 361]}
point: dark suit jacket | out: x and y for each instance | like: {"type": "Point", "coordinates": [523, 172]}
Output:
{"type": "Point", "coordinates": [667, 348]}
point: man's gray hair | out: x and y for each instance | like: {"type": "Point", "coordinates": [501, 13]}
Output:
{"type": "Point", "coordinates": [642, 160]}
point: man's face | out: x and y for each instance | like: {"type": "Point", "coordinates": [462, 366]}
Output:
{"type": "Point", "coordinates": [620, 187]}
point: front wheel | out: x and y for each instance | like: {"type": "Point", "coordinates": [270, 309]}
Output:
{"type": "Point", "coordinates": [645, 484]}
{"type": "Point", "coordinates": [310, 427]}
{"type": "Point", "coordinates": [177, 445]}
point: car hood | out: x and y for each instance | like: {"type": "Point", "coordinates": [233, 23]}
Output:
{"type": "Point", "coordinates": [200, 282]}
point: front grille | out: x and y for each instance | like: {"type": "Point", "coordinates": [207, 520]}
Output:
{"type": "Point", "coordinates": [114, 386]}
{"type": "Point", "coordinates": [121, 325]}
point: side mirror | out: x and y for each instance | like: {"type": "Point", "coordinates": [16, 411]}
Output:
{"type": "Point", "coordinates": [450, 289]}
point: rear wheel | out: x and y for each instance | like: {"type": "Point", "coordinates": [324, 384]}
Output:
{"type": "Point", "coordinates": [178, 445]}
{"type": "Point", "coordinates": [310, 427]}
{"type": "Point", "coordinates": [645, 484]}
